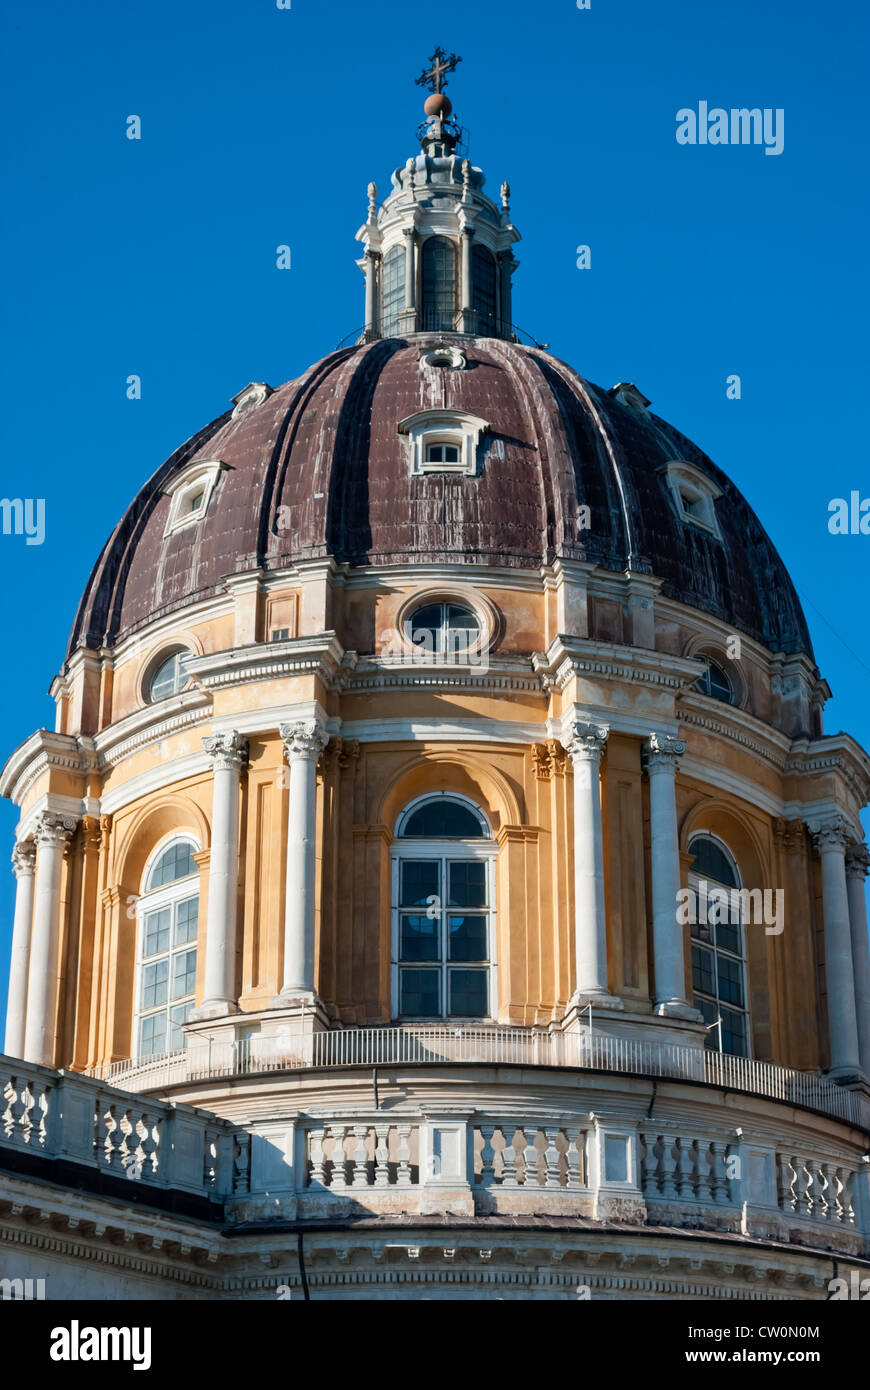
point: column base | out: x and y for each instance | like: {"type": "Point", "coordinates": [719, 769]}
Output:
{"type": "Point", "coordinates": [845, 1076]}
{"type": "Point", "coordinates": [677, 1008]}
{"type": "Point", "coordinates": [214, 1008]}
{"type": "Point", "coordinates": [582, 998]}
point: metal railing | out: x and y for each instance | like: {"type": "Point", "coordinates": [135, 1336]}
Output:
{"type": "Point", "coordinates": [401, 1045]}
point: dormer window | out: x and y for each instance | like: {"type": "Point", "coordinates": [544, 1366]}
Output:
{"type": "Point", "coordinates": [694, 495]}
{"type": "Point", "coordinates": [190, 493]}
{"type": "Point", "coordinates": [443, 441]}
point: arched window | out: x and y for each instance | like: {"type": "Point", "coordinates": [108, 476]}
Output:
{"type": "Point", "coordinates": [716, 683]}
{"type": "Point", "coordinates": [169, 677]}
{"type": "Point", "coordinates": [392, 291]}
{"type": "Point", "coordinates": [719, 946]}
{"type": "Point", "coordinates": [439, 284]}
{"type": "Point", "coordinates": [444, 911]}
{"type": "Point", "coordinates": [483, 275]}
{"type": "Point", "coordinates": [443, 629]}
{"type": "Point", "coordinates": [167, 915]}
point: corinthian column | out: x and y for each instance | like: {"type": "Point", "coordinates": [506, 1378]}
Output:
{"type": "Point", "coordinates": [831, 840]}
{"type": "Point", "coordinates": [51, 833]}
{"type": "Point", "coordinates": [23, 865]}
{"type": "Point", "coordinates": [660, 755]}
{"type": "Point", "coordinates": [303, 744]}
{"type": "Point", "coordinates": [857, 864]}
{"type": "Point", "coordinates": [229, 753]}
{"type": "Point", "coordinates": [585, 746]}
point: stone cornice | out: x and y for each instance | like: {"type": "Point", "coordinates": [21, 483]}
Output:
{"type": "Point", "coordinates": [492, 675]}
{"type": "Point", "coordinates": [42, 751]}
{"type": "Point", "coordinates": [734, 724]}
{"type": "Point", "coordinates": [322, 656]}
{"type": "Point", "coordinates": [149, 725]}
{"type": "Point", "coordinates": [567, 657]}
{"type": "Point", "coordinates": [838, 753]}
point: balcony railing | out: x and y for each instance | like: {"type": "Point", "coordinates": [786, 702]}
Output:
{"type": "Point", "coordinates": [407, 1045]}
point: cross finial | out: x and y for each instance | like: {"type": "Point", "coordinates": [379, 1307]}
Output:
{"type": "Point", "coordinates": [436, 78]}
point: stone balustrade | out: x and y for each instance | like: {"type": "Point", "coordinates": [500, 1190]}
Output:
{"type": "Point", "coordinates": [815, 1189]}
{"type": "Point", "coordinates": [414, 1156]}
{"type": "Point", "coordinates": [59, 1115]}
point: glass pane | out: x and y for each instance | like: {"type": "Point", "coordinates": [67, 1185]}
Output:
{"type": "Point", "coordinates": [467, 883]}
{"type": "Point", "coordinates": [152, 1035]}
{"type": "Point", "coordinates": [483, 277]}
{"type": "Point", "coordinates": [423, 628]}
{"type": "Point", "coordinates": [734, 1032]}
{"type": "Point", "coordinates": [439, 284]}
{"type": "Point", "coordinates": [420, 993]}
{"type": "Point", "coordinates": [170, 676]}
{"type": "Point", "coordinates": [468, 993]}
{"type": "Point", "coordinates": [420, 937]}
{"type": "Point", "coordinates": [443, 819]}
{"type": "Point", "coordinates": [154, 983]}
{"type": "Point", "coordinates": [175, 862]}
{"type": "Point", "coordinates": [184, 974]}
{"type": "Point", "coordinates": [392, 291]}
{"type": "Point", "coordinates": [467, 938]}
{"type": "Point", "coordinates": [178, 1014]}
{"type": "Point", "coordinates": [712, 862]}
{"type": "Point", "coordinates": [421, 883]}
{"type": "Point", "coordinates": [157, 931]}
{"type": "Point", "coordinates": [728, 937]}
{"type": "Point", "coordinates": [702, 970]}
{"type": "Point", "coordinates": [185, 921]}
{"type": "Point", "coordinates": [730, 981]}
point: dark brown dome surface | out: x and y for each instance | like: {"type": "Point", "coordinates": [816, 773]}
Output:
{"type": "Point", "coordinates": [319, 469]}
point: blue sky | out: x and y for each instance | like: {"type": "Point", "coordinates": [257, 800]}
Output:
{"type": "Point", "coordinates": [262, 126]}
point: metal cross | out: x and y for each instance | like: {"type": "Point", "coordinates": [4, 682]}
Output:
{"type": "Point", "coordinates": [436, 78]}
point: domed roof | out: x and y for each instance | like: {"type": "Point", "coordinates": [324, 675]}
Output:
{"type": "Point", "coordinates": [319, 468]}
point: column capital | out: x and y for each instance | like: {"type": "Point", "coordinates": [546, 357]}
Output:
{"type": "Point", "coordinates": [227, 751]}
{"type": "Point", "coordinates": [857, 860]}
{"type": "Point", "coordinates": [24, 858]}
{"type": "Point", "coordinates": [660, 753]}
{"type": "Point", "coordinates": [303, 741]}
{"type": "Point", "coordinates": [586, 742]}
{"type": "Point", "coordinates": [53, 829]}
{"type": "Point", "coordinates": [831, 835]}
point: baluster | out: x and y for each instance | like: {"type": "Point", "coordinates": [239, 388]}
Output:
{"type": "Point", "coordinates": [787, 1183]}
{"type": "Point", "coordinates": [509, 1158]}
{"type": "Point", "coordinates": [718, 1179]}
{"type": "Point", "coordinates": [360, 1160]}
{"type": "Point", "coordinates": [575, 1176]}
{"type": "Point", "coordinates": [686, 1169]}
{"type": "Point", "coordinates": [382, 1155]}
{"type": "Point", "coordinates": [552, 1159]}
{"type": "Point", "coordinates": [339, 1158]}
{"type": "Point", "coordinates": [146, 1152]}
{"type": "Point", "coordinates": [13, 1115]}
{"type": "Point", "coordinates": [802, 1186]}
{"type": "Point", "coordinates": [109, 1142]}
{"type": "Point", "coordinates": [209, 1159]}
{"type": "Point", "coordinates": [29, 1117]}
{"type": "Point", "coordinates": [669, 1168]}
{"type": "Point", "coordinates": [831, 1207]}
{"type": "Point", "coordinates": [403, 1156]}
{"type": "Point", "coordinates": [530, 1158]}
{"type": "Point", "coordinates": [847, 1196]}
{"type": "Point", "coordinates": [705, 1171]}
{"type": "Point", "coordinates": [242, 1162]}
{"type": "Point", "coordinates": [317, 1158]}
{"type": "Point", "coordinates": [487, 1156]}
{"type": "Point", "coordinates": [649, 1164]}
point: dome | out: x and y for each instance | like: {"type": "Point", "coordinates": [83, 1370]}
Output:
{"type": "Point", "coordinates": [319, 467]}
